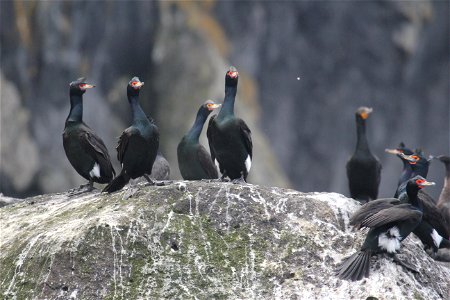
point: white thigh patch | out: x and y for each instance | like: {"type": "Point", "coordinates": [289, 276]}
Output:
{"type": "Point", "coordinates": [390, 240]}
{"type": "Point", "coordinates": [95, 172]}
{"type": "Point", "coordinates": [248, 163]}
{"type": "Point", "coordinates": [217, 164]}
{"type": "Point", "coordinates": [437, 239]}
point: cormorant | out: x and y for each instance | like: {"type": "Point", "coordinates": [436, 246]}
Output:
{"type": "Point", "coordinates": [363, 168]}
{"type": "Point", "coordinates": [193, 160]}
{"type": "Point", "coordinates": [229, 138]}
{"type": "Point", "coordinates": [138, 144]}
{"type": "Point", "coordinates": [85, 150]}
{"type": "Point", "coordinates": [432, 230]}
{"type": "Point", "coordinates": [390, 222]}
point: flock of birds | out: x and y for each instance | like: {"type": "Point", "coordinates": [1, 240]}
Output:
{"type": "Point", "coordinates": [389, 220]}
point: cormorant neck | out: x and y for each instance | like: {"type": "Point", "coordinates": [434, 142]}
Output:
{"type": "Point", "coordinates": [361, 144]}
{"type": "Point", "coordinates": [406, 173]}
{"type": "Point", "coordinates": [194, 132]}
{"type": "Point", "coordinates": [228, 102]}
{"type": "Point", "coordinates": [412, 192]}
{"type": "Point", "coordinates": [136, 111]}
{"type": "Point", "coordinates": [447, 176]}
{"type": "Point", "coordinates": [421, 170]}
{"type": "Point", "coordinates": [76, 108]}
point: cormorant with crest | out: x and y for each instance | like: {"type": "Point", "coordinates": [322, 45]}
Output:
{"type": "Point", "coordinates": [85, 150]}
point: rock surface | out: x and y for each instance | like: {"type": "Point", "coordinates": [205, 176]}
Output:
{"type": "Point", "coordinates": [197, 239]}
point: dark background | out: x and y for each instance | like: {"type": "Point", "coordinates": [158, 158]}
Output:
{"type": "Point", "coordinates": [392, 56]}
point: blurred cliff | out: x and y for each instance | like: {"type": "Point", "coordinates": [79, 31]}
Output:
{"type": "Point", "coordinates": [305, 67]}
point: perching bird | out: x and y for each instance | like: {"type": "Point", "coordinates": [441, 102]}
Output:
{"type": "Point", "coordinates": [444, 198]}
{"type": "Point", "coordinates": [161, 168]}
{"type": "Point", "coordinates": [363, 168]}
{"type": "Point", "coordinates": [85, 150]}
{"type": "Point", "coordinates": [432, 230]}
{"type": "Point", "coordinates": [138, 144]}
{"type": "Point", "coordinates": [229, 138]}
{"type": "Point", "coordinates": [193, 160]}
{"type": "Point", "coordinates": [390, 222]}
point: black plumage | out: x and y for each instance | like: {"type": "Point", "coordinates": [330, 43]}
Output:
{"type": "Point", "coordinates": [229, 138]}
{"type": "Point", "coordinates": [432, 230]}
{"type": "Point", "coordinates": [363, 168]}
{"type": "Point", "coordinates": [138, 145]}
{"type": "Point", "coordinates": [193, 160]}
{"type": "Point", "coordinates": [85, 150]}
{"type": "Point", "coordinates": [406, 172]}
{"type": "Point", "coordinates": [390, 222]}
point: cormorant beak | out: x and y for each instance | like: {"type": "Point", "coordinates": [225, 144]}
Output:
{"type": "Point", "coordinates": [430, 157]}
{"type": "Point", "coordinates": [365, 114]}
{"type": "Point", "coordinates": [427, 183]}
{"type": "Point", "coordinates": [87, 86]}
{"type": "Point", "coordinates": [213, 106]}
{"type": "Point", "coordinates": [139, 84]}
{"type": "Point", "coordinates": [392, 151]}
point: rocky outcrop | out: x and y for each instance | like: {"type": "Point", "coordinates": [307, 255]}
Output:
{"type": "Point", "coordinates": [197, 240]}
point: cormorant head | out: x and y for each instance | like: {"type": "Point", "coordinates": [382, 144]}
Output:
{"type": "Point", "coordinates": [134, 86]}
{"type": "Point", "coordinates": [232, 76]}
{"type": "Point", "coordinates": [419, 182]}
{"type": "Point", "coordinates": [401, 148]}
{"type": "Point", "coordinates": [444, 158]}
{"type": "Point", "coordinates": [79, 86]}
{"type": "Point", "coordinates": [363, 112]}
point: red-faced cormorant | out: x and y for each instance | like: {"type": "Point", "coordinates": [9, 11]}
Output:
{"type": "Point", "coordinates": [193, 160]}
{"type": "Point", "coordinates": [229, 138]}
{"type": "Point", "coordinates": [85, 150]}
{"type": "Point", "coordinates": [406, 172]}
{"type": "Point", "coordinates": [363, 168]}
{"type": "Point", "coordinates": [138, 144]}
{"type": "Point", "coordinates": [390, 222]}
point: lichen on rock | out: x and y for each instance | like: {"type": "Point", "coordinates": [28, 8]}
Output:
{"type": "Point", "coordinates": [205, 240]}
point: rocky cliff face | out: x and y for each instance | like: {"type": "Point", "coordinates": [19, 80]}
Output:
{"type": "Point", "coordinates": [197, 239]}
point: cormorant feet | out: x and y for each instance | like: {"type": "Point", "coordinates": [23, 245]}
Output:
{"type": "Point", "coordinates": [404, 264]}
{"type": "Point", "coordinates": [239, 180]}
{"type": "Point", "coordinates": [156, 182]}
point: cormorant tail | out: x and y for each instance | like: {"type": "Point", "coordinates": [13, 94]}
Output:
{"type": "Point", "coordinates": [445, 243]}
{"type": "Point", "coordinates": [117, 183]}
{"type": "Point", "coordinates": [355, 267]}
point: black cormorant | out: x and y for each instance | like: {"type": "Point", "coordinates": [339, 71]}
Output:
{"type": "Point", "coordinates": [363, 168]}
{"type": "Point", "coordinates": [85, 150]}
{"type": "Point", "coordinates": [390, 222]}
{"type": "Point", "coordinates": [229, 138]}
{"type": "Point", "coordinates": [138, 144]}
{"type": "Point", "coordinates": [193, 160]}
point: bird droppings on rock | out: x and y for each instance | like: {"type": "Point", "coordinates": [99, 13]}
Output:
{"type": "Point", "coordinates": [212, 240]}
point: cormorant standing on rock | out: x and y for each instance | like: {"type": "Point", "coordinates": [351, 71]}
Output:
{"type": "Point", "coordinates": [193, 160]}
{"type": "Point", "coordinates": [138, 144]}
{"type": "Point", "coordinates": [390, 222]}
{"type": "Point", "coordinates": [85, 150]}
{"type": "Point", "coordinates": [363, 168]}
{"type": "Point", "coordinates": [229, 138]}
{"type": "Point", "coordinates": [432, 230]}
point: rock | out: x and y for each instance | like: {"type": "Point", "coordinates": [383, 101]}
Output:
{"type": "Point", "coordinates": [197, 239]}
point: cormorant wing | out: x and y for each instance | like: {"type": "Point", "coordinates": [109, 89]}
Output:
{"type": "Point", "coordinates": [371, 208]}
{"type": "Point", "coordinates": [246, 136]}
{"type": "Point", "coordinates": [205, 161]}
{"type": "Point", "coordinates": [93, 145]}
{"type": "Point", "coordinates": [399, 212]}
{"type": "Point", "coordinates": [432, 214]}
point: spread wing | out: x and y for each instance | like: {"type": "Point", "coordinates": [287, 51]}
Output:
{"type": "Point", "coordinates": [93, 145]}
{"type": "Point", "coordinates": [210, 135]}
{"type": "Point", "coordinates": [398, 213]}
{"type": "Point", "coordinates": [246, 136]}
{"type": "Point", "coordinates": [371, 208]}
{"type": "Point", "coordinates": [207, 164]}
